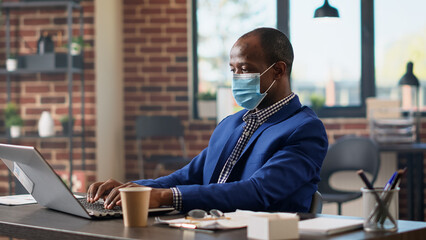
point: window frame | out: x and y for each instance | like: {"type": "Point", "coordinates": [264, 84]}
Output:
{"type": "Point", "coordinates": [368, 87]}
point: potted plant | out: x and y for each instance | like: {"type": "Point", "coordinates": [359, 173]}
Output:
{"type": "Point", "coordinates": [76, 45]}
{"type": "Point", "coordinates": [207, 105]}
{"type": "Point", "coordinates": [64, 121]}
{"type": "Point", "coordinates": [12, 119]}
{"type": "Point", "coordinates": [317, 102]}
{"type": "Point", "coordinates": [11, 63]}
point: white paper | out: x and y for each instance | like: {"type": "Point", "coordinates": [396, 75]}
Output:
{"type": "Point", "coordinates": [232, 220]}
{"type": "Point", "coordinates": [328, 225]}
{"type": "Point", "coordinates": [22, 199]}
{"type": "Point", "coordinates": [226, 223]}
{"type": "Point", "coordinates": [17, 200]}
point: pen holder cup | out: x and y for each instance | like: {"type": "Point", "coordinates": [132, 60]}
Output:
{"type": "Point", "coordinates": [380, 209]}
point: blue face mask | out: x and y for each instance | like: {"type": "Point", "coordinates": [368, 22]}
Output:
{"type": "Point", "coordinates": [246, 89]}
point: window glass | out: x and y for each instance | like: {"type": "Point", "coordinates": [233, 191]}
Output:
{"type": "Point", "coordinates": [220, 23]}
{"type": "Point", "coordinates": [327, 52]}
{"type": "Point", "coordinates": [400, 28]}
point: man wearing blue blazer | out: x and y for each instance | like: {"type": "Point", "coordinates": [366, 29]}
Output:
{"type": "Point", "coordinates": [266, 157]}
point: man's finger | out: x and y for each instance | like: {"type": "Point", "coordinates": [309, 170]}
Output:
{"type": "Point", "coordinates": [113, 202]}
{"type": "Point", "coordinates": [92, 189]}
{"type": "Point", "coordinates": [102, 190]}
{"type": "Point", "coordinates": [114, 195]}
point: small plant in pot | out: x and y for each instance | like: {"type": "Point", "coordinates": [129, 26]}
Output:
{"type": "Point", "coordinates": [11, 63]}
{"type": "Point", "coordinates": [64, 121]}
{"type": "Point", "coordinates": [317, 102]}
{"type": "Point", "coordinates": [77, 44]}
{"type": "Point", "coordinates": [207, 104]}
{"type": "Point", "coordinates": [207, 96]}
{"type": "Point", "coordinates": [12, 120]}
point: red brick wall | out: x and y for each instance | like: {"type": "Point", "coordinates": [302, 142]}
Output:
{"type": "Point", "coordinates": [339, 127]}
{"type": "Point", "coordinates": [155, 83]}
{"type": "Point", "coordinates": [35, 93]}
{"type": "Point", "coordinates": [156, 75]}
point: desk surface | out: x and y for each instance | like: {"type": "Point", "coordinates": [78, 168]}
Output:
{"type": "Point", "coordinates": [36, 222]}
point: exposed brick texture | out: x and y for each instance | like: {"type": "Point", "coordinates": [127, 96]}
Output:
{"type": "Point", "coordinates": [155, 83]}
{"type": "Point", "coordinates": [35, 93]}
{"type": "Point", "coordinates": [156, 76]}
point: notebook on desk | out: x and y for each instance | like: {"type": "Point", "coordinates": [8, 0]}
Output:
{"type": "Point", "coordinates": [39, 179]}
{"type": "Point", "coordinates": [328, 225]}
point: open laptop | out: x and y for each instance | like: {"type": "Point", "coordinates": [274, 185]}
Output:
{"type": "Point", "coordinates": [47, 188]}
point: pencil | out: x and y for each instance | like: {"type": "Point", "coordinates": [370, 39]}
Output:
{"type": "Point", "coordinates": [388, 196]}
{"type": "Point", "coordinates": [382, 209]}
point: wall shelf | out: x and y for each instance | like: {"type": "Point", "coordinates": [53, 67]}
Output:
{"type": "Point", "coordinates": [30, 71]}
{"type": "Point", "coordinates": [75, 135]}
{"type": "Point", "coordinates": [40, 4]}
{"type": "Point", "coordinates": [69, 70]}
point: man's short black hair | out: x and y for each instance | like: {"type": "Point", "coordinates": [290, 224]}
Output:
{"type": "Point", "coordinates": [275, 44]}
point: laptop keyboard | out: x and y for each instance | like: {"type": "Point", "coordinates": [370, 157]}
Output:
{"type": "Point", "coordinates": [97, 209]}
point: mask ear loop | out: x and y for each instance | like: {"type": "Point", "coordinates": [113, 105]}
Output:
{"type": "Point", "coordinates": [265, 93]}
{"type": "Point", "coordinates": [270, 86]}
{"type": "Point", "coordinates": [267, 69]}
{"type": "Point", "coordinates": [272, 82]}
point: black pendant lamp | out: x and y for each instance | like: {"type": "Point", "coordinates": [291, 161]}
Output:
{"type": "Point", "coordinates": [409, 78]}
{"type": "Point", "coordinates": [326, 11]}
{"type": "Point", "coordinates": [410, 99]}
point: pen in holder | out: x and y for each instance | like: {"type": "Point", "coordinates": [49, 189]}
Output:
{"type": "Point", "coordinates": [380, 209]}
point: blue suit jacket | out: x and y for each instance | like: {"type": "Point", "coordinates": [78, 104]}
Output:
{"type": "Point", "coordinates": [278, 169]}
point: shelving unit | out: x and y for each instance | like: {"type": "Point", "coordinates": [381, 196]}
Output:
{"type": "Point", "coordinates": [69, 71]}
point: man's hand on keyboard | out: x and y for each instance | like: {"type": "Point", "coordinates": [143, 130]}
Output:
{"type": "Point", "coordinates": [108, 191]}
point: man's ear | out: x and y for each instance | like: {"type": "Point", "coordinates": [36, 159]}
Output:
{"type": "Point", "coordinates": [280, 69]}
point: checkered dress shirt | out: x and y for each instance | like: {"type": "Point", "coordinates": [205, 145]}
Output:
{"type": "Point", "coordinates": [253, 119]}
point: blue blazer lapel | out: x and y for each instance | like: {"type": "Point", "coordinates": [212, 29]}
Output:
{"type": "Point", "coordinates": [224, 154]}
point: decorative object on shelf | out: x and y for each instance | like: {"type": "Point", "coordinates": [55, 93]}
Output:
{"type": "Point", "coordinates": [45, 44]}
{"type": "Point", "coordinates": [15, 131]}
{"type": "Point", "coordinates": [11, 63]}
{"type": "Point", "coordinates": [207, 105]}
{"type": "Point", "coordinates": [76, 45]}
{"type": "Point", "coordinates": [64, 121]}
{"type": "Point", "coordinates": [51, 61]}
{"type": "Point", "coordinates": [46, 125]}
{"type": "Point", "coordinates": [12, 120]}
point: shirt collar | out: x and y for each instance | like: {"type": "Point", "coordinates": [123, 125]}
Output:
{"type": "Point", "coordinates": [263, 114]}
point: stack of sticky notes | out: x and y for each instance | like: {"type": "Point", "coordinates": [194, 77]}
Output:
{"type": "Point", "coordinates": [273, 226]}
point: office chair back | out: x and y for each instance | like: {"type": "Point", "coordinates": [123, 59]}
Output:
{"type": "Point", "coordinates": [158, 126]}
{"type": "Point", "coordinates": [316, 204]}
{"type": "Point", "coordinates": [348, 154]}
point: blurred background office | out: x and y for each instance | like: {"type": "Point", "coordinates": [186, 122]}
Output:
{"type": "Point", "coordinates": [170, 57]}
